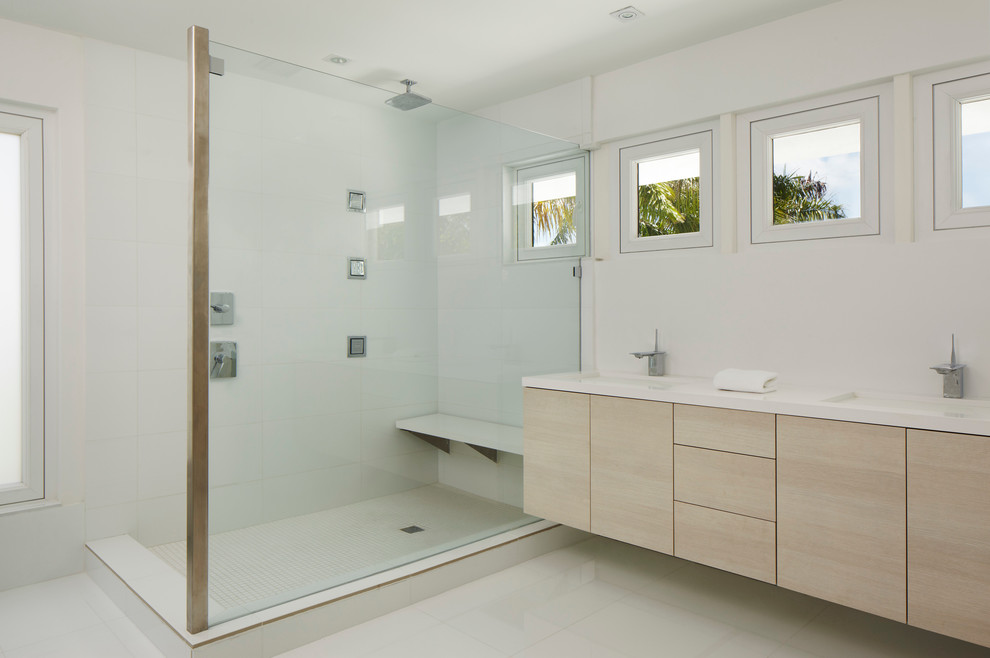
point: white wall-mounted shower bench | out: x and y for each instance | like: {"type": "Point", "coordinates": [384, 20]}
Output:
{"type": "Point", "coordinates": [487, 438]}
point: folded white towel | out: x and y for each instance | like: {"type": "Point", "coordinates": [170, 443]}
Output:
{"type": "Point", "coordinates": [748, 381]}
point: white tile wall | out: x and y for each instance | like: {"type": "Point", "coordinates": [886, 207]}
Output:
{"type": "Point", "coordinates": [111, 405]}
{"type": "Point", "coordinates": [161, 465]}
{"type": "Point", "coordinates": [136, 293]}
{"type": "Point", "coordinates": [55, 551]}
{"type": "Point", "coordinates": [161, 210]}
{"type": "Point", "coordinates": [111, 207]}
{"type": "Point", "coordinates": [162, 520]}
{"type": "Point", "coordinates": [111, 471]}
{"type": "Point", "coordinates": [111, 273]}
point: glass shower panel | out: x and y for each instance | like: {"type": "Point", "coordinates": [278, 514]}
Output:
{"type": "Point", "coordinates": [311, 484]}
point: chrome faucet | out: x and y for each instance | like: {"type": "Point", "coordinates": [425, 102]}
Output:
{"type": "Point", "coordinates": [655, 358]}
{"type": "Point", "coordinates": [952, 374]}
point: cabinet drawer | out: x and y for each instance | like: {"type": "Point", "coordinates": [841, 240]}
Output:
{"type": "Point", "coordinates": [731, 542]}
{"type": "Point", "coordinates": [730, 430]}
{"type": "Point", "coordinates": [726, 481]}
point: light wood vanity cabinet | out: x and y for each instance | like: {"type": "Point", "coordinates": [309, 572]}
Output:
{"type": "Point", "coordinates": [557, 456]}
{"type": "Point", "coordinates": [948, 498]}
{"type": "Point", "coordinates": [841, 527]}
{"type": "Point", "coordinates": [632, 471]}
{"type": "Point", "coordinates": [724, 485]}
{"type": "Point", "coordinates": [892, 521]}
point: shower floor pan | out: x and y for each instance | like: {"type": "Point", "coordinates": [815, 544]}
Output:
{"type": "Point", "coordinates": [263, 565]}
{"type": "Point", "coordinates": [361, 556]}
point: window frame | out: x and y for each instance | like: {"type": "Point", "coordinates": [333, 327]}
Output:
{"type": "Point", "coordinates": [947, 92]}
{"type": "Point", "coordinates": [700, 137]}
{"type": "Point", "coordinates": [36, 127]}
{"type": "Point", "coordinates": [522, 173]}
{"type": "Point", "coordinates": [759, 129]}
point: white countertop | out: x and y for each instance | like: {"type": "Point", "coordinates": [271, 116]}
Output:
{"type": "Point", "coordinates": [932, 413]}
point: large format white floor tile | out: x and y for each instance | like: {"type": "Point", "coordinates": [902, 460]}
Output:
{"type": "Point", "coordinates": [639, 626]}
{"type": "Point", "coordinates": [755, 606]}
{"type": "Point", "coordinates": [437, 642]}
{"type": "Point", "coordinates": [570, 645]}
{"type": "Point", "coordinates": [370, 636]}
{"type": "Point", "coordinates": [92, 642]}
{"type": "Point", "coordinates": [841, 631]}
{"type": "Point", "coordinates": [36, 613]}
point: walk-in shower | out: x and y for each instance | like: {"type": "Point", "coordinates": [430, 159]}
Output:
{"type": "Point", "coordinates": [358, 270]}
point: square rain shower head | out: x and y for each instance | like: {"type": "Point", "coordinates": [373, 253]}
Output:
{"type": "Point", "coordinates": [408, 100]}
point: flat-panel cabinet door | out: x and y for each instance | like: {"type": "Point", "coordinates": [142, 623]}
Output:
{"type": "Point", "coordinates": [632, 471]}
{"type": "Point", "coordinates": [841, 513]}
{"type": "Point", "coordinates": [949, 534]}
{"type": "Point", "coordinates": [556, 456]}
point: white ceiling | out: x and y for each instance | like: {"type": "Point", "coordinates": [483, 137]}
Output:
{"type": "Point", "coordinates": [466, 54]}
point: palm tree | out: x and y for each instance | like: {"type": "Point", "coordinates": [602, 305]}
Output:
{"type": "Point", "coordinates": [802, 199]}
{"type": "Point", "coordinates": [670, 207]}
{"type": "Point", "coordinates": [555, 217]}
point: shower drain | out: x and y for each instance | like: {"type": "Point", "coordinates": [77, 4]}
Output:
{"type": "Point", "coordinates": [411, 529]}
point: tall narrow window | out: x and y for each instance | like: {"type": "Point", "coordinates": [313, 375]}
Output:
{"type": "Point", "coordinates": [10, 300]}
{"type": "Point", "coordinates": [22, 455]}
{"type": "Point", "coordinates": [550, 203]}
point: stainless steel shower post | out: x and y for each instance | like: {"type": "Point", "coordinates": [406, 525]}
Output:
{"type": "Point", "coordinates": [197, 464]}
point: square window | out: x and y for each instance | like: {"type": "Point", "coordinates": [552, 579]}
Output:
{"type": "Point", "coordinates": [550, 203]}
{"type": "Point", "coordinates": [960, 135]}
{"type": "Point", "coordinates": [814, 173]}
{"type": "Point", "coordinates": [667, 192]}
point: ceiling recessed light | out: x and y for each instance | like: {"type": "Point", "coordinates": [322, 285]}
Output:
{"type": "Point", "coordinates": [335, 59]}
{"type": "Point", "coordinates": [626, 14]}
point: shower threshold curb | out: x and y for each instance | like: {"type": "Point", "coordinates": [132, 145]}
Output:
{"type": "Point", "coordinates": [152, 594]}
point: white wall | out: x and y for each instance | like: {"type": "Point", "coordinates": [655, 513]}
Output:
{"type": "Point", "coordinates": [851, 313]}
{"type": "Point", "coordinates": [45, 68]}
{"type": "Point", "coordinates": [839, 45]}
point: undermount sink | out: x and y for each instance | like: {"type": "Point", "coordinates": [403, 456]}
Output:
{"type": "Point", "coordinates": [908, 404]}
{"type": "Point", "coordinates": [654, 383]}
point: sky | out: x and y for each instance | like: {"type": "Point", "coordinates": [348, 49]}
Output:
{"type": "Point", "coordinates": [832, 154]}
{"type": "Point", "coordinates": [975, 116]}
